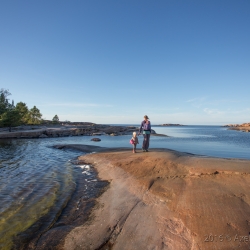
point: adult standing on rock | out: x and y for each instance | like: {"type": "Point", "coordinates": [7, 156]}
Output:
{"type": "Point", "coordinates": [145, 128]}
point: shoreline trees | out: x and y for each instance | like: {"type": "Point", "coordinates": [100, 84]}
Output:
{"type": "Point", "coordinates": [11, 115]}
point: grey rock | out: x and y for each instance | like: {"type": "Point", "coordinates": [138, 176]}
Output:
{"type": "Point", "coordinates": [95, 139]}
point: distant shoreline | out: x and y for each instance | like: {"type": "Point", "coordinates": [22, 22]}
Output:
{"type": "Point", "coordinates": [48, 131]}
{"type": "Point", "coordinates": [245, 127]}
{"type": "Point", "coordinates": [170, 125]}
{"type": "Point", "coordinates": [77, 129]}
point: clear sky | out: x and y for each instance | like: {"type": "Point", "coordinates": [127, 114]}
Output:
{"type": "Point", "coordinates": [114, 61]}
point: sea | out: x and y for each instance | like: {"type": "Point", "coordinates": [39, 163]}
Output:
{"type": "Point", "coordinates": [37, 181]}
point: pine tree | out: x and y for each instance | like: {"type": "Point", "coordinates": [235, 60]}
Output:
{"type": "Point", "coordinates": [23, 111]}
{"type": "Point", "coordinates": [34, 116]}
{"type": "Point", "coordinates": [10, 118]}
{"type": "Point", "coordinates": [55, 119]}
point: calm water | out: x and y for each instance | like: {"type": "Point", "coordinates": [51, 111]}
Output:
{"type": "Point", "coordinates": [36, 179]}
{"type": "Point", "coordinates": [205, 140]}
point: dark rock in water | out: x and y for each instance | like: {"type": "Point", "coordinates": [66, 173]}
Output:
{"type": "Point", "coordinates": [95, 139]}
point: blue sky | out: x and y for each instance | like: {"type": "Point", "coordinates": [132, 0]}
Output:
{"type": "Point", "coordinates": [108, 61]}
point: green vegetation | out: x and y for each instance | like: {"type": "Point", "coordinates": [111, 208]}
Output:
{"type": "Point", "coordinates": [14, 115]}
{"type": "Point", "coordinates": [23, 111]}
{"type": "Point", "coordinates": [55, 119]}
{"type": "Point", "coordinates": [11, 115]}
{"type": "Point", "coordinates": [10, 118]}
{"type": "Point", "coordinates": [34, 116]}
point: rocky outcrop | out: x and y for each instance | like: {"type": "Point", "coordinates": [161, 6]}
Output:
{"type": "Point", "coordinates": [238, 125]}
{"type": "Point", "coordinates": [119, 130]}
{"type": "Point", "coordinates": [245, 127]}
{"type": "Point", "coordinates": [23, 134]}
{"type": "Point", "coordinates": [89, 129]}
{"type": "Point", "coordinates": [166, 200]}
{"type": "Point", "coordinates": [66, 130]}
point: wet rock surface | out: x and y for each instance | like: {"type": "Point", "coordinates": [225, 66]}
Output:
{"type": "Point", "coordinates": [49, 232]}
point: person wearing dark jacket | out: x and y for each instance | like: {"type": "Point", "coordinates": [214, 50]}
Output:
{"type": "Point", "coordinates": [145, 128]}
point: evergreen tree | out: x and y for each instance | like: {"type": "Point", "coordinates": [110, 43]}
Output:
{"type": "Point", "coordinates": [10, 118]}
{"type": "Point", "coordinates": [55, 119]}
{"type": "Point", "coordinates": [23, 111]}
{"type": "Point", "coordinates": [34, 116]}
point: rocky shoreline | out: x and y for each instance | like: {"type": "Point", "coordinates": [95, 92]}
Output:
{"type": "Point", "coordinates": [50, 131]}
{"type": "Point", "coordinates": [47, 131]}
{"type": "Point", "coordinates": [245, 127]}
{"type": "Point", "coordinates": [50, 230]}
{"type": "Point", "coordinates": [163, 199]}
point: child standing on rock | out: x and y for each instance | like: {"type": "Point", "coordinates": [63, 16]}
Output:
{"type": "Point", "coordinates": [134, 141]}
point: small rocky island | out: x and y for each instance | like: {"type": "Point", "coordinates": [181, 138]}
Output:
{"type": "Point", "coordinates": [245, 127]}
{"type": "Point", "coordinates": [170, 124]}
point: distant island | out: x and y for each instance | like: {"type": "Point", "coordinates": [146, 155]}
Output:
{"type": "Point", "coordinates": [244, 127]}
{"type": "Point", "coordinates": [170, 124]}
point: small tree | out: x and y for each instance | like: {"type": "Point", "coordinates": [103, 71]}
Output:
{"type": "Point", "coordinates": [10, 118]}
{"type": "Point", "coordinates": [23, 110]}
{"type": "Point", "coordinates": [34, 116]}
{"type": "Point", "coordinates": [55, 119]}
